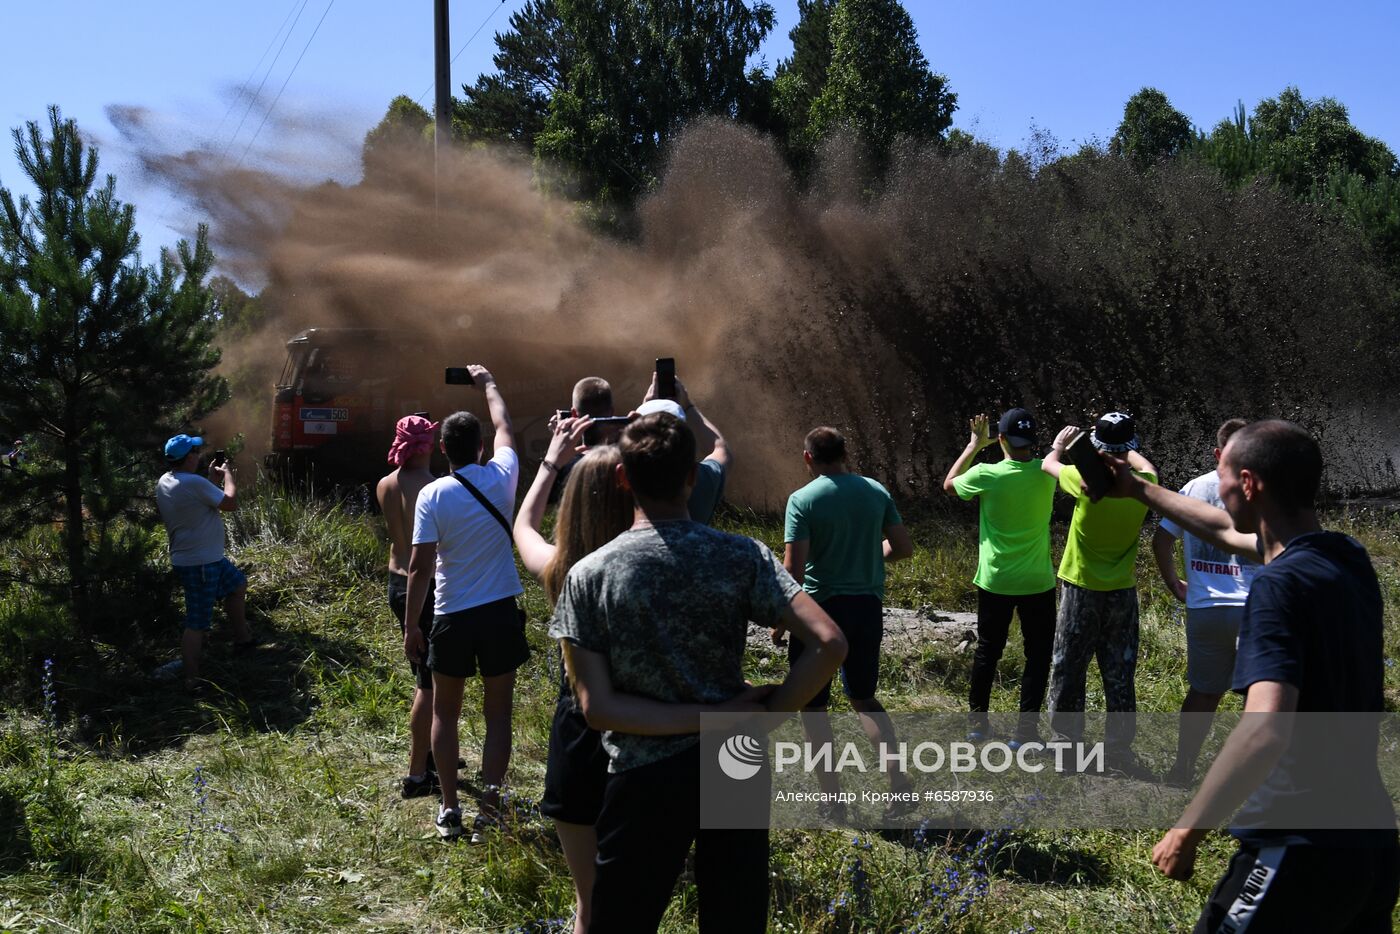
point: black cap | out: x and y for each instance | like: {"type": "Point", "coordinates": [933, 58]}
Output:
{"type": "Point", "coordinates": [1115, 432]}
{"type": "Point", "coordinates": [1018, 426]}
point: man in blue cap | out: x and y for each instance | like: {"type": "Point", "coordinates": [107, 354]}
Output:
{"type": "Point", "coordinates": [190, 506]}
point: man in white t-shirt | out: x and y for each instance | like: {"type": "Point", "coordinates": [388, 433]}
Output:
{"type": "Point", "coordinates": [191, 508]}
{"type": "Point", "coordinates": [1214, 591]}
{"type": "Point", "coordinates": [466, 545]}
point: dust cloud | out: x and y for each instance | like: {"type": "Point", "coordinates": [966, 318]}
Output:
{"type": "Point", "coordinates": [784, 307]}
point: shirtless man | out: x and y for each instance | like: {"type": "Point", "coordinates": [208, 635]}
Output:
{"type": "Point", "coordinates": [414, 442]}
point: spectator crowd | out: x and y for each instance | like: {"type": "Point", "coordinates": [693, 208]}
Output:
{"type": "Point", "coordinates": [651, 609]}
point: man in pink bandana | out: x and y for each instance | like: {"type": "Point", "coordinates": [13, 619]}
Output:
{"type": "Point", "coordinates": [415, 438]}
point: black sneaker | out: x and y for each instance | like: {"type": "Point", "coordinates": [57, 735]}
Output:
{"type": "Point", "coordinates": [420, 787]}
{"type": "Point", "coordinates": [832, 812]}
{"type": "Point", "coordinates": [449, 823]}
{"type": "Point", "coordinates": [1179, 778]}
{"type": "Point", "coordinates": [897, 811]}
{"type": "Point", "coordinates": [1128, 766]}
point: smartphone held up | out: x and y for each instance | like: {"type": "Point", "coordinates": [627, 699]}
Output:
{"type": "Point", "coordinates": [665, 377]}
{"type": "Point", "coordinates": [459, 376]}
{"type": "Point", "coordinates": [1095, 473]}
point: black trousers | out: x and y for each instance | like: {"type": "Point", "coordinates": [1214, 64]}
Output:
{"type": "Point", "coordinates": [1318, 889]}
{"type": "Point", "coordinates": [651, 815]}
{"type": "Point", "coordinates": [1037, 612]}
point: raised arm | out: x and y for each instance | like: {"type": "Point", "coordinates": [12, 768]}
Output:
{"type": "Point", "coordinates": [707, 436]}
{"type": "Point", "coordinates": [535, 552]}
{"type": "Point", "coordinates": [1054, 461]}
{"type": "Point", "coordinates": [1200, 519]}
{"type": "Point", "coordinates": [496, 405]}
{"type": "Point", "coordinates": [981, 438]}
{"type": "Point", "coordinates": [224, 476]}
{"type": "Point", "coordinates": [1141, 464]}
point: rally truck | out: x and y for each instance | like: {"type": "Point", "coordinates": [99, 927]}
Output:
{"type": "Point", "coordinates": [342, 390]}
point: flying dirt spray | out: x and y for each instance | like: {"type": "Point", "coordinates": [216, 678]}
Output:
{"type": "Point", "coordinates": [960, 283]}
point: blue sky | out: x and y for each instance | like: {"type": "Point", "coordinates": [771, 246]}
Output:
{"type": "Point", "coordinates": [1066, 68]}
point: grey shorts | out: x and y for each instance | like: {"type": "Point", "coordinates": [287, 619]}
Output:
{"type": "Point", "coordinates": [1212, 633]}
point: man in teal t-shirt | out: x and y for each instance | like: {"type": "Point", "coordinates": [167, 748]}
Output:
{"type": "Point", "coordinates": [1014, 573]}
{"type": "Point", "coordinates": [839, 531]}
{"type": "Point", "coordinates": [1099, 603]}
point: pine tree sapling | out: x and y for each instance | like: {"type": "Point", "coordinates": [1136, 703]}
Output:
{"type": "Point", "coordinates": [103, 355]}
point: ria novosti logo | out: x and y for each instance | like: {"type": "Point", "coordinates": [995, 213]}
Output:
{"type": "Point", "coordinates": [742, 757]}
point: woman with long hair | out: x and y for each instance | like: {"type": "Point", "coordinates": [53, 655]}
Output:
{"type": "Point", "coordinates": [592, 512]}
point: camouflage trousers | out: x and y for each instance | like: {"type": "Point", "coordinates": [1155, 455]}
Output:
{"type": "Point", "coordinates": [1102, 625]}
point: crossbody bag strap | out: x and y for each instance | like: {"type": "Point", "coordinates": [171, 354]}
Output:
{"type": "Point", "coordinates": [481, 498]}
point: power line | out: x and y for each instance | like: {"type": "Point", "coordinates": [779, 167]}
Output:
{"type": "Point", "coordinates": [286, 81]}
{"type": "Point", "coordinates": [493, 12]}
{"type": "Point", "coordinates": [253, 99]}
{"type": "Point", "coordinates": [242, 88]}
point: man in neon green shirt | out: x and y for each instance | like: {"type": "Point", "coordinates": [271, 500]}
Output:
{"type": "Point", "coordinates": [1098, 598]}
{"type": "Point", "coordinates": [1014, 573]}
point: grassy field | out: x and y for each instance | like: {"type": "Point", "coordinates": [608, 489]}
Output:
{"type": "Point", "coordinates": [271, 805]}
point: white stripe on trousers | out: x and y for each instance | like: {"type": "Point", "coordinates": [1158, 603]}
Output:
{"type": "Point", "coordinates": [1256, 886]}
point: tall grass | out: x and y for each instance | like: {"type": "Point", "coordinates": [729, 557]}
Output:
{"type": "Point", "coordinates": [272, 806]}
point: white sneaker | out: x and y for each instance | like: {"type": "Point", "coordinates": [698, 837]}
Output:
{"type": "Point", "coordinates": [482, 826]}
{"type": "Point", "coordinates": [449, 823]}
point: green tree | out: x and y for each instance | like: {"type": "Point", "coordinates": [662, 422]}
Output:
{"type": "Point", "coordinates": [798, 80]}
{"type": "Point", "coordinates": [238, 314]}
{"type": "Point", "coordinates": [1311, 150]}
{"type": "Point", "coordinates": [1152, 130]}
{"type": "Point", "coordinates": [405, 127]}
{"type": "Point", "coordinates": [879, 84]}
{"type": "Point", "coordinates": [1300, 143]}
{"type": "Point", "coordinates": [1308, 141]}
{"type": "Point", "coordinates": [103, 356]}
{"type": "Point", "coordinates": [642, 69]}
{"type": "Point", "coordinates": [533, 58]}
{"type": "Point", "coordinates": [1232, 149]}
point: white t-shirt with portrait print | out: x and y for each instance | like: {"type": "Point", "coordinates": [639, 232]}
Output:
{"type": "Point", "coordinates": [1213, 577]}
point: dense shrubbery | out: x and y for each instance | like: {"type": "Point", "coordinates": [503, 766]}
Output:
{"type": "Point", "coordinates": [967, 282]}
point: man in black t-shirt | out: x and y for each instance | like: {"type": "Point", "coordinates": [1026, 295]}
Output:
{"type": "Point", "coordinates": [1310, 643]}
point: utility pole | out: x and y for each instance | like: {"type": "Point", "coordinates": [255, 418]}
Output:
{"type": "Point", "coordinates": [442, 78]}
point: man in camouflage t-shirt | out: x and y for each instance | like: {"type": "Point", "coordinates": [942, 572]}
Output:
{"type": "Point", "coordinates": [653, 625]}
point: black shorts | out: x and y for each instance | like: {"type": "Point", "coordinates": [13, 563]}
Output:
{"type": "Point", "coordinates": [861, 619]}
{"type": "Point", "coordinates": [489, 638]}
{"type": "Point", "coordinates": [398, 601]}
{"type": "Point", "coordinates": [1318, 889]}
{"type": "Point", "coordinates": [577, 773]}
